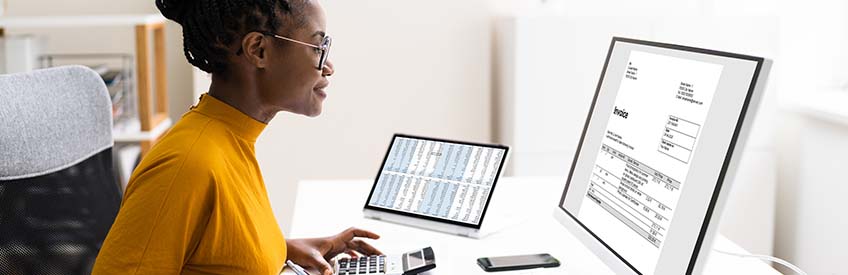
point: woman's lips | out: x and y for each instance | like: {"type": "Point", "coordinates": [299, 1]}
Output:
{"type": "Point", "coordinates": [320, 92]}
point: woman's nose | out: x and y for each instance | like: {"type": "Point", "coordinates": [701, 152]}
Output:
{"type": "Point", "coordinates": [328, 68]}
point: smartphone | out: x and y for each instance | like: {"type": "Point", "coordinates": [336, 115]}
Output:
{"type": "Point", "coordinates": [518, 262]}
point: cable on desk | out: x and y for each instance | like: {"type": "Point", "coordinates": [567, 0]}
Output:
{"type": "Point", "coordinates": [765, 258]}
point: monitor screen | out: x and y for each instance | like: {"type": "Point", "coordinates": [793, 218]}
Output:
{"type": "Point", "coordinates": [654, 150]}
{"type": "Point", "coordinates": [437, 179]}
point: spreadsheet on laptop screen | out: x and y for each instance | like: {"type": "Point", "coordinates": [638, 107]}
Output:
{"type": "Point", "coordinates": [437, 179]}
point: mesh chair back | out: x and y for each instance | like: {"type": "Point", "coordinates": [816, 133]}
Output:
{"type": "Point", "coordinates": [58, 193]}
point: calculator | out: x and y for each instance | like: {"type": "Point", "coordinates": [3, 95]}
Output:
{"type": "Point", "coordinates": [409, 263]}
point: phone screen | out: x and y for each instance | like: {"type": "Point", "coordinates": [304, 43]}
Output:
{"type": "Point", "coordinates": [536, 260]}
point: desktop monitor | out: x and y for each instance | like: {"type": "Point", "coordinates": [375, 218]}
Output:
{"type": "Point", "coordinates": [664, 133]}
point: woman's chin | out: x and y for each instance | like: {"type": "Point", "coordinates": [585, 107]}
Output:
{"type": "Point", "coordinates": [314, 111]}
{"type": "Point", "coordinates": [315, 114]}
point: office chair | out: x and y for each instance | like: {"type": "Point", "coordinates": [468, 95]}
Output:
{"type": "Point", "coordinates": [58, 192]}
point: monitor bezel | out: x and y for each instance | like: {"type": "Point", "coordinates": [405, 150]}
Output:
{"type": "Point", "coordinates": [447, 221]}
{"type": "Point", "coordinates": [726, 165]}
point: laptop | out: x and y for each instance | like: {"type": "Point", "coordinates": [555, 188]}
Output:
{"type": "Point", "coordinates": [436, 184]}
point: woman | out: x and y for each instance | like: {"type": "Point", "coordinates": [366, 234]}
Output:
{"type": "Point", "coordinates": [197, 204]}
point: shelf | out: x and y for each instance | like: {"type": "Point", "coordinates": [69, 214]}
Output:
{"type": "Point", "coordinates": [80, 21]}
{"type": "Point", "coordinates": [140, 136]}
{"type": "Point", "coordinates": [150, 63]}
{"type": "Point", "coordinates": [827, 105]}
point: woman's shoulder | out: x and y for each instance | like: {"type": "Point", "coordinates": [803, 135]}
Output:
{"type": "Point", "coordinates": [190, 145]}
{"type": "Point", "coordinates": [190, 132]}
{"type": "Point", "coordinates": [176, 168]}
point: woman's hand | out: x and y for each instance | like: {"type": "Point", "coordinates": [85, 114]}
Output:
{"type": "Point", "coordinates": [316, 252]}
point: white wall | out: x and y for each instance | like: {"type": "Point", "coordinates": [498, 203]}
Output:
{"type": "Point", "coordinates": [809, 233]}
{"type": "Point", "coordinates": [812, 229]}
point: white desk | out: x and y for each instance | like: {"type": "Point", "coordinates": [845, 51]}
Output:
{"type": "Point", "coordinates": [324, 208]}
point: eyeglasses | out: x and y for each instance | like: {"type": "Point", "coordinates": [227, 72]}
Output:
{"type": "Point", "coordinates": [324, 47]}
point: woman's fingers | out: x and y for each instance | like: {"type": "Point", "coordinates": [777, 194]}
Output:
{"type": "Point", "coordinates": [365, 248]}
{"type": "Point", "coordinates": [352, 253]}
{"type": "Point", "coordinates": [322, 265]}
{"type": "Point", "coordinates": [356, 232]}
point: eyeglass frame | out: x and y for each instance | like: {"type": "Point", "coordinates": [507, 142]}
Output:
{"type": "Point", "coordinates": [324, 47]}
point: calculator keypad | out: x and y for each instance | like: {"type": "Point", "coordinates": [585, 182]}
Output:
{"type": "Point", "coordinates": [362, 265]}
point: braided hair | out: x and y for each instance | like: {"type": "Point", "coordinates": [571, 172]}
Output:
{"type": "Point", "coordinates": [211, 26]}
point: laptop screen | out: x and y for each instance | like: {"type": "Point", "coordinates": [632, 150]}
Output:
{"type": "Point", "coordinates": [435, 179]}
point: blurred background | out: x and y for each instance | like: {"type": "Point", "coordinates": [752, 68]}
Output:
{"type": "Point", "coordinates": [523, 73]}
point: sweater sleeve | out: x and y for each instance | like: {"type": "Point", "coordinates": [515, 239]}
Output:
{"type": "Point", "coordinates": [162, 217]}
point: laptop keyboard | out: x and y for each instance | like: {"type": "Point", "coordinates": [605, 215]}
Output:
{"type": "Point", "coordinates": [362, 265]}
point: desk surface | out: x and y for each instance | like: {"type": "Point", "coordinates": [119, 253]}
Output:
{"type": "Point", "coordinates": [327, 207]}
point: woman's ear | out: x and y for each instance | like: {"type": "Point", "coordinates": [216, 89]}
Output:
{"type": "Point", "coordinates": [255, 46]}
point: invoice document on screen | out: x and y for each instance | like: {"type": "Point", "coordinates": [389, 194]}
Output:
{"type": "Point", "coordinates": [646, 152]}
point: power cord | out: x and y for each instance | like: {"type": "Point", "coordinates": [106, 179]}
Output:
{"type": "Point", "coordinates": [765, 258]}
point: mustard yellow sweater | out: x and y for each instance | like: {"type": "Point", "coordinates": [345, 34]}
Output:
{"type": "Point", "coordinates": [197, 204]}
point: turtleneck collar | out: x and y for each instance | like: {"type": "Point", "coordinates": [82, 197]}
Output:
{"type": "Point", "coordinates": [240, 123]}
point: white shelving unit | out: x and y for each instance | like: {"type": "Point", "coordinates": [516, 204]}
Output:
{"type": "Point", "coordinates": [8, 22]}
{"type": "Point", "coordinates": [153, 116]}
{"type": "Point", "coordinates": [825, 105]}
